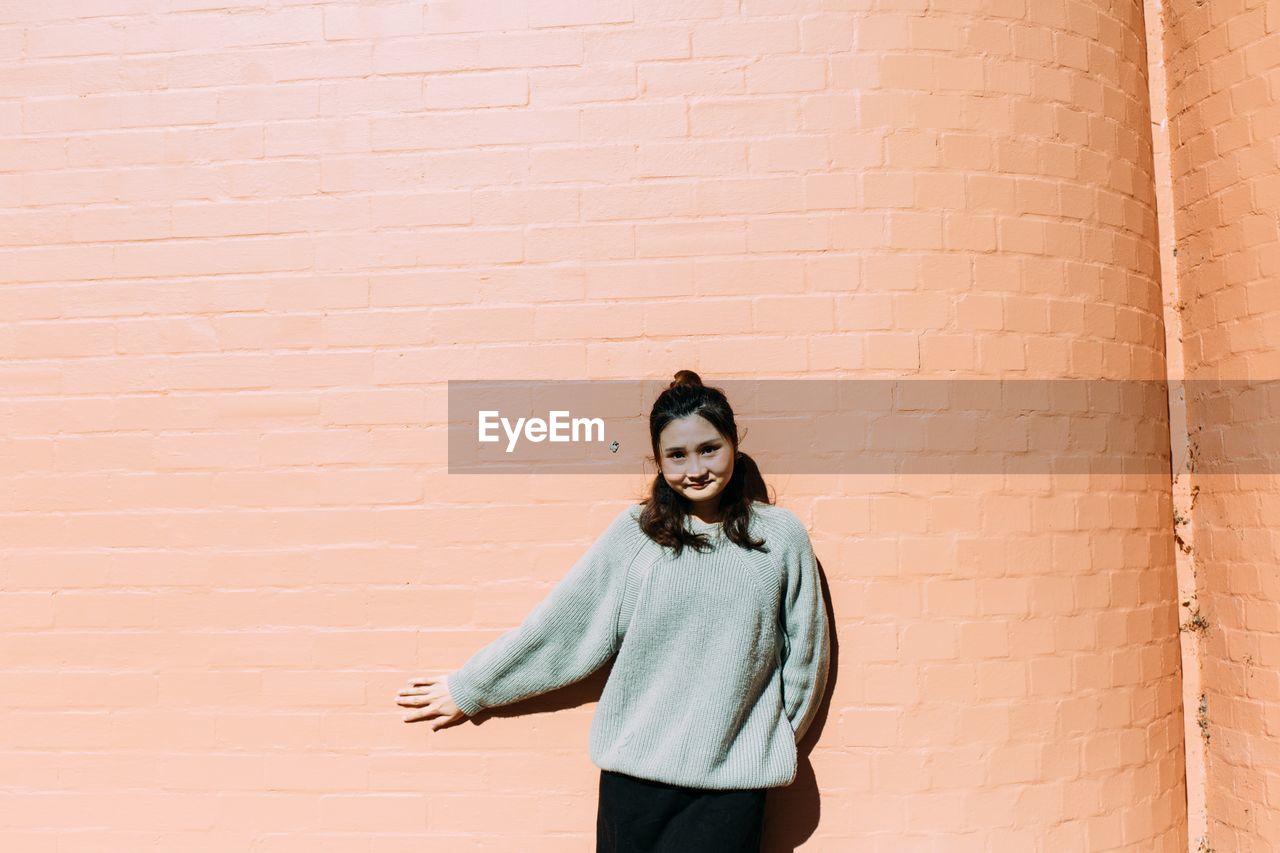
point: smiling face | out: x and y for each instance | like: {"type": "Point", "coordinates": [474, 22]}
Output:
{"type": "Point", "coordinates": [696, 460]}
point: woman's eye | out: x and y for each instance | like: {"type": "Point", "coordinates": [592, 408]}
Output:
{"type": "Point", "coordinates": [679, 454]}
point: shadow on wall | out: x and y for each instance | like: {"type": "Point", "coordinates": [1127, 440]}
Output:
{"type": "Point", "coordinates": [792, 813]}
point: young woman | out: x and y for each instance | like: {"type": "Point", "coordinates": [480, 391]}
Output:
{"type": "Point", "coordinates": [707, 598]}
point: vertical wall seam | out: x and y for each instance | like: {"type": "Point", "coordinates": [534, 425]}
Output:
{"type": "Point", "coordinates": [1183, 492]}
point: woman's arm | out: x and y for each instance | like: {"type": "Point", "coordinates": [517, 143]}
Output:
{"type": "Point", "coordinates": [806, 644]}
{"type": "Point", "coordinates": [568, 636]}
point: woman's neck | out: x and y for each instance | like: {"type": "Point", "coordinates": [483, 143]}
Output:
{"type": "Point", "coordinates": [707, 515]}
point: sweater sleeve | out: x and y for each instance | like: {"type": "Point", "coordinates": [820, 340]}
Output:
{"type": "Point", "coordinates": [568, 635]}
{"type": "Point", "coordinates": [806, 644]}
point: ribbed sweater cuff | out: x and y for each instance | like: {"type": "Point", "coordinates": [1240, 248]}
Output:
{"type": "Point", "coordinates": [462, 696]}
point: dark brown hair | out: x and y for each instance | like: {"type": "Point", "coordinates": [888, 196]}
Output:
{"type": "Point", "coordinates": [666, 510]}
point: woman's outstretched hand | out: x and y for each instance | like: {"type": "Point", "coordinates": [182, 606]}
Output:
{"type": "Point", "coordinates": [432, 696]}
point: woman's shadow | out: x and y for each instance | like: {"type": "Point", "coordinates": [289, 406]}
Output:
{"type": "Point", "coordinates": [792, 813]}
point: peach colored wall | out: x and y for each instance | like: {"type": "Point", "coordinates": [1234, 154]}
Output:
{"type": "Point", "coordinates": [246, 246]}
{"type": "Point", "coordinates": [1224, 110]}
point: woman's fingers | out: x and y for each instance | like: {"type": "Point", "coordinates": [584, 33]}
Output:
{"type": "Point", "coordinates": [420, 699]}
{"type": "Point", "coordinates": [433, 690]}
{"type": "Point", "coordinates": [447, 719]}
{"type": "Point", "coordinates": [423, 712]}
{"type": "Point", "coordinates": [440, 717]}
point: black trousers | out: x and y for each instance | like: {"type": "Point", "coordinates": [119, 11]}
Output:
{"type": "Point", "coordinates": [642, 816]}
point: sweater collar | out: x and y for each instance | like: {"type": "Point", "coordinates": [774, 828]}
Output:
{"type": "Point", "coordinates": [701, 526]}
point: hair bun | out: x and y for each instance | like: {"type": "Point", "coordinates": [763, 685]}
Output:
{"type": "Point", "coordinates": [686, 379]}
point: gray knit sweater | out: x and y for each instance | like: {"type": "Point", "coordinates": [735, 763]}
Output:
{"type": "Point", "coordinates": [721, 655]}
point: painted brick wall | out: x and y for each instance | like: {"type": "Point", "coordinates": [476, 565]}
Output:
{"type": "Point", "coordinates": [1224, 113]}
{"type": "Point", "coordinates": [246, 244]}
